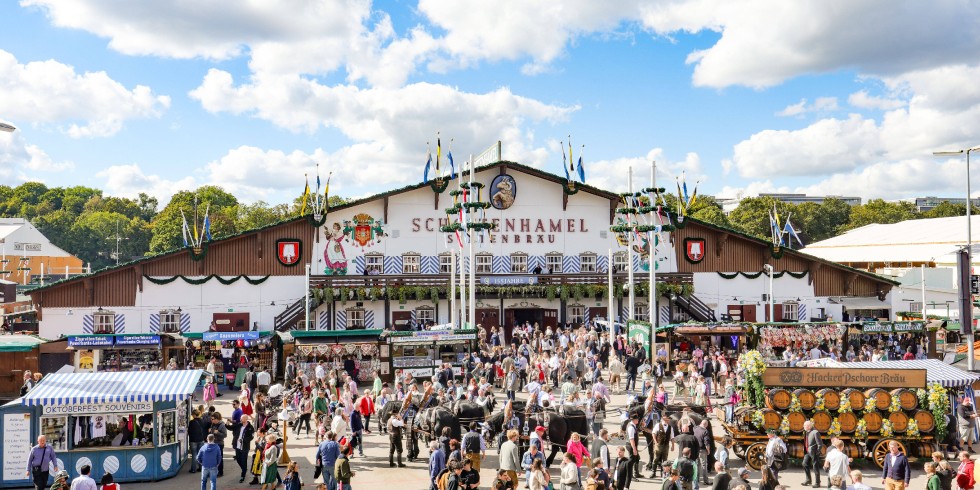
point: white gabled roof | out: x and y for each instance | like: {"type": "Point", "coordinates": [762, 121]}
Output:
{"type": "Point", "coordinates": [918, 240]}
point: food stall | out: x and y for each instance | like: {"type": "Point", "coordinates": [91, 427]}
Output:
{"type": "Point", "coordinates": [130, 424]}
{"type": "Point", "coordinates": [362, 350]}
{"type": "Point", "coordinates": [684, 338]}
{"type": "Point", "coordinates": [774, 338]}
{"type": "Point", "coordinates": [418, 353]}
{"type": "Point", "coordinates": [890, 334]}
{"type": "Point", "coordinates": [117, 352]}
{"type": "Point", "coordinates": [237, 351]}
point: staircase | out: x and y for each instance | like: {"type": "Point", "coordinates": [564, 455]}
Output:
{"type": "Point", "coordinates": [288, 319]}
{"type": "Point", "coordinates": [696, 308]}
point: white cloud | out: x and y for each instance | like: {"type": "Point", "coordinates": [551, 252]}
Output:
{"type": "Point", "coordinates": [20, 162]}
{"type": "Point", "coordinates": [49, 92]}
{"type": "Point", "coordinates": [821, 104]}
{"type": "Point", "coordinates": [863, 100]}
{"type": "Point", "coordinates": [752, 189]}
{"type": "Point", "coordinates": [892, 180]}
{"type": "Point", "coordinates": [130, 180]}
{"type": "Point", "coordinates": [613, 174]}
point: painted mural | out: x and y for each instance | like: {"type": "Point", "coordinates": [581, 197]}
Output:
{"type": "Point", "coordinates": [334, 257]}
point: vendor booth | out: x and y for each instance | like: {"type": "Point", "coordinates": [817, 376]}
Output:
{"type": "Point", "coordinates": [419, 353]}
{"type": "Point", "coordinates": [775, 338]}
{"type": "Point", "coordinates": [355, 351]}
{"type": "Point", "coordinates": [17, 354]}
{"type": "Point", "coordinates": [130, 424]}
{"type": "Point", "coordinates": [893, 337]}
{"type": "Point", "coordinates": [237, 351]}
{"type": "Point", "coordinates": [685, 338]}
{"type": "Point", "coordinates": [123, 352]}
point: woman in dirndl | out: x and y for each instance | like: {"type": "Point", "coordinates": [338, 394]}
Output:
{"type": "Point", "coordinates": [270, 462]}
{"type": "Point", "coordinates": [257, 456]}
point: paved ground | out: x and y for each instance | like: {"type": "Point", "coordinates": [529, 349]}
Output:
{"type": "Point", "coordinates": [373, 470]}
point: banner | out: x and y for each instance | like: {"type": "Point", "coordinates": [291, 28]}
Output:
{"type": "Point", "coordinates": [212, 336]}
{"type": "Point", "coordinates": [844, 377]}
{"type": "Point", "coordinates": [88, 408]}
{"type": "Point", "coordinates": [137, 339]}
{"type": "Point", "coordinates": [508, 280]}
{"type": "Point", "coordinates": [100, 341]}
{"type": "Point", "coordinates": [896, 327]}
{"type": "Point", "coordinates": [640, 333]}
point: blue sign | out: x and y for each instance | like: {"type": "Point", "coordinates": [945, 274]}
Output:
{"type": "Point", "coordinates": [212, 336]}
{"type": "Point", "coordinates": [137, 339]}
{"type": "Point", "coordinates": [508, 280]}
{"type": "Point", "coordinates": [100, 341]}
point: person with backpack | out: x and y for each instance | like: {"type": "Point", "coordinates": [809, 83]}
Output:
{"type": "Point", "coordinates": [687, 468]}
{"type": "Point", "coordinates": [474, 447]}
{"type": "Point", "coordinates": [775, 453]}
{"type": "Point", "coordinates": [437, 463]}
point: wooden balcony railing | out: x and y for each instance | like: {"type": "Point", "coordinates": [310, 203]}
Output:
{"type": "Point", "coordinates": [442, 280]}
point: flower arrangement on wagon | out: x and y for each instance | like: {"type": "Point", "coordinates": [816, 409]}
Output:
{"type": "Point", "coordinates": [784, 427]}
{"type": "Point", "coordinates": [870, 404]}
{"type": "Point", "coordinates": [939, 406]}
{"type": "Point", "coordinates": [845, 405]}
{"type": "Point", "coordinates": [758, 420]}
{"type": "Point", "coordinates": [861, 431]}
{"type": "Point", "coordinates": [819, 404]}
{"type": "Point", "coordinates": [912, 430]}
{"type": "Point", "coordinates": [794, 404]}
{"type": "Point", "coordinates": [923, 396]}
{"type": "Point", "coordinates": [896, 405]}
{"type": "Point", "coordinates": [834, 429]}
{"type": "Point", "coordinates": [886, 428]}
{"type": "Point", "coordinates": [754, 366]}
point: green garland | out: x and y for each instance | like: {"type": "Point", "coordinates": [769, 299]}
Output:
{"type": "Point", "coordinates": [439, 185]}
{"type": "Point", "coordinates": [569, 188]}
{"type": "Point", "coordinates": [315, 222]}
{"type": "Point", "coordinates": [198, 282]}
{"type": "Point", "coordinates": [797, 275]}
{"type": "Point", "coordinates": [197, 257]}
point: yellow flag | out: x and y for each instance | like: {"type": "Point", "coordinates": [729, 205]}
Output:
{"type": "Point", "coordinates": [306, 197]}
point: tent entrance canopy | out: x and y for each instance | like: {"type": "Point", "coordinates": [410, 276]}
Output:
{"type": "Point", "coordinates": [855, 304]}
{"type": "Point", "coordinates": [113, 387]}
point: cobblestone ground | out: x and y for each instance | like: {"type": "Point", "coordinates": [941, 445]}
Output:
{"type": "Point", "coordinates": [373, 470]}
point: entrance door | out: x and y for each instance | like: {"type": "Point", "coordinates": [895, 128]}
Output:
{"type": "Point", "coordinates": [528, 315]}
{"type": "Point", "coordinates": [489, 318]}
{"type": "Point", "coordinates": [550, 318]}
{"type": "Point", "coordinates": [229, 322]}
{"type": "Point", "coordinates": [777, 311]}
{"type": "Point", "coordinates": [597, 312]}
{"type": "Point", "coordinates": [401, 320]}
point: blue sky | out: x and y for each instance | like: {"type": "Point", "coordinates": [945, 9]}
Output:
{"type": "Point", "coordinates": [760, 97]}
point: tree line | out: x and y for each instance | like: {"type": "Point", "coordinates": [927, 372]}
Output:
{"type": "Point", "coordinates": [85, 222]}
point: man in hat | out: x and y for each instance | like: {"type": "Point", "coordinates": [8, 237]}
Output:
{"type": "Point", "coordinates": [537, 438]}
{"type": "Point", "coordinates": [775, 453]}
{"type": "Point", "coordinates": [633, 446]}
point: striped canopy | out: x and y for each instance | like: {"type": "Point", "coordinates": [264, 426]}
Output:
{"type": "Point", "coordinates": [936, 371]}
{"type": "Point", "coordinates": [135, 386]}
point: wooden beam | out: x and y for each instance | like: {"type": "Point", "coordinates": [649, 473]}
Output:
{"type": "Point", "coordinates": [721, 239]}
{"type": "Point", "coordinates": [89, 286]}
{"type": "Point", "coordinates": [812, 271]}
{"type": "Point", "coordinates": [503, 169]}
{"type": "Point", "coordinates": [564, 200]}
{"type": "Point", "coordinates": [435, 205]}
{"type": "Point", "coordinates": [258, 244]}
{"type": "Point", "coordinates": [849, 283]}
{"type": "Point", "coordinates": [385, 209]}
{"type": "Point", "coordinates": [613, 203]}
{"type": "Point", "coordinates": [138, 271]}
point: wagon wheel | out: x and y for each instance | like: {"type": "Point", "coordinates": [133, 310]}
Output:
{"type": "Point", "coordinates": [740, 451]}
{"type": "Point", "coordinates": [755, 456]}
{"type": "Point", "coordinates": [881, 450]}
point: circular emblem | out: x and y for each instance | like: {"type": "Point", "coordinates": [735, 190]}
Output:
{"type": "Point", "coordinates": [790, 377]}
{"type": "Point", "coordinates": [83, 461]}
{"type": "Point", "coordinates": [51, 465]}
{"type": "Point", "coordinates": [503, 191]}
{"type": "Point", "coordinates": [138, 463]}
{"type": "Point", "coordinates": [111, 464]}
{"type": "Point", "coordinates": [166, 460]}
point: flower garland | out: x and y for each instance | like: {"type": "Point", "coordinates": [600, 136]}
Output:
{"type": "Point", "coordinates": [784, 427]}
{"type": "Point", "coordinates": [794, 404]}
{"type": "Point", "coordinates": [758, 420]}
{"type": "Point", "coordinates": [939, 406]}
{"type": "Point", "coordinates": [754, 366]}
{"type": "Point", "coordinates": [845, 405]}
{"type": "Point", "coordinates": [912, 430]}
{"type": "Point", "coordinates": [870, 405]}
{"type": "Point", "coordinates": [834, 429]}
{"type": "Point", "coordinates": [923, 396]}
{"type": "Point", "coordinates": [896, 405]}
{"type": "Point", "coordinates": [886, 428]}
{"type": "Point", "coordinates": [861, 431]}
{"type": "Point", "coordinates": [819, 404]}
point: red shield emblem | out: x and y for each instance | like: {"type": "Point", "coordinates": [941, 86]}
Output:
{"type": "Point", "coordinates": [362, 234]}
{"type": "Point", "coordinates": [289, 251]}
{"type": "Point", "coordinates": [694, 249]}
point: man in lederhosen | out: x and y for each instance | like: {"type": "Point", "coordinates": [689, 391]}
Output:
{"type": "Point", "coordinates": [410, 438]}
{"type": "Point", "coordinates": [663, 436]}
{"type": "Point", "coordinates": [395, 428]}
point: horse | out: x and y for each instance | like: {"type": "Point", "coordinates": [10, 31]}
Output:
{"type": "Point", "coordinates": [470, 411]}
{"type": "Point", "coordinates": [392, 408]}
{"type": "Point", "coordinates": [674, 415]}
{"type": "Point", "coordinates": [429, 423]}
{"type": "Point", "coordinates": [559, 426]}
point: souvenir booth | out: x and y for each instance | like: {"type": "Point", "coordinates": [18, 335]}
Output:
{"type": "Point", "coordinates": [685, 338]}
{"type": "Point", "coordinates": [888, 335]}
{"type": "Point", "coordinates": [775, 338]}
{"type": "Point", "coordinates": [237, 351]}
{"type": "Point", "coordinates": [121, 352]}
{"type": "Point", "coordinates": [419, 353]}
{"type": "Point", "coordinates": [363, 350]}
{"type": "Point", "coordinates": [130, 424]}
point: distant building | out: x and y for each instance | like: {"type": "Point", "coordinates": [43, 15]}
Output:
{"type": "Point", "coordinates": [923, 204]}
{"type": "Point", "coordinates": [802, 198]}
{"type": "Point", "coordinates": [25, 253]}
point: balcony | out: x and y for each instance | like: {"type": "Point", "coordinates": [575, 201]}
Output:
{"type": "Point", "coordinates": [442, 280]}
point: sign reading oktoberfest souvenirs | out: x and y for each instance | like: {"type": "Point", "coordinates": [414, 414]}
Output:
{"type": "Point", "coordinates": [845, 377]}
{"type": "Point", "coordinates": [114, 407]}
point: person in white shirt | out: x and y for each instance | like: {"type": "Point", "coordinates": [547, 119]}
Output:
{"type": "Point", "coordinates": [262, 380]}
{"type": "Point", "coordinates": [84, 482]}
{"type": "Point", "coordinates": [339, 424]}
{"type": "Point", "coordinates": [836, 462]}
{"type": "Point", "coordinates": [774, 442]}
{"type": "Point", "coordinates": [320, 372]}
{"type": "Point", "coordinates": [856, 477]}
{"type": "Point", "coordinates": [815, 352]}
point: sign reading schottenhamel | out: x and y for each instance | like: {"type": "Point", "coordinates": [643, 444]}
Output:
{"type": "Point", "coordinates": [844, 378]}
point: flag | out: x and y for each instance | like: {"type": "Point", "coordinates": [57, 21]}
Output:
{"type": "Point", "coordinates": [773, 226]}
{"type": "Point", "coordinates": [789, 230]}
{"type": "Point", "coordinates": [687, 200]}
{"type": "Point", "coordinates": [438, 154]}
{"type": "Point", "coordinates": [306, 196]}
{"type": "Point", "coordinates": [581, 169]}
{"type": "Point", "coordinates": [326, 194]}
{"type": "Point", "coordinates": [571, 159]}
{"type": "Point", "coordinates": [316, 197]}
{"type": "Point", "coordinates": [563, 162]}
{"type": "Point", "coordinates": [452, 165]}
{"type": "Point", "coordinates": [428, 163]}
{"type": "Point", "coordinates": [680, 196]}
{"type": "Point", "coordinates": [694, 195]}
{"type": "Point", "coordinates": [184, 229]}
{"type": "Point", "coordinates": [207, 224]}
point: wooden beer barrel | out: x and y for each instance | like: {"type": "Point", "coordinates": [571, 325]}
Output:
{"type": "Point", "coordinates": [882, 398]}
{"type": "Point", "coordinates": [831, 398]}
{"type": "Point", "coordinates": [778, 399]}
{"type": "Point", "coordinates": [922, 449]}
{"type": "Point", "coordinates": [899, 421]}
{"type": "Point", "coordinates": [794, 449]}
{"type": "Point", "coordinates": [795, 420]}
{"type": "Point", "coordinates": [873, 422]}
{"type": "Point", "coordinates": [744, 415]}
{"type": "Point", "coordinates": [925, 420]}
{"type": "Point", "coordinates": [852, 450]}
{"type": "Point", "coordinates": [856, 397]}
{"type": "Point", "coordinates": [806, 397]}
{"type": "Point", "coordinates": [771, 419]}
{"type": "Point", "coordinates": [821, 420]}
{"type": "Point", "coordinates": [848, 422]}
{"type": "Point", "coordinates": [906, 398]}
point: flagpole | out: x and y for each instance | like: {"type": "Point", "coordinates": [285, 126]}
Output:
{"type": "Point", "coordinates": [472, 264]}
{"type": "Point", "coordinates": [306, 298]}
{"type": "Point", "coordinates": [611, 316]}
{"type": "Point", "coordinates": [651, 239]}
{"type": "Point", "coordinates": [452, 287]}
{"type": "Point", "coordinates": [629, 267]}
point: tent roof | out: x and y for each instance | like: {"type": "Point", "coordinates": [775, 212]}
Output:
{"type": "Point", "coordinates": [936, 371]}
{"type": "Point", "coordinates": [917, 240]}
{"type": "Point", "coordinates": [134, 386]}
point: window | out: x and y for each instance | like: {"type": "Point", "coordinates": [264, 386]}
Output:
{"type": "Point", "coordinates": [916, 306]}
{"type": "Point", "coordinates": [484, 264]}
{"type": "Point", "coordinates": [619, 262]}
{"type": "Point", "coordinates": [425, 316]}
{"type": "Point", "coordinates": [791, 312]}
{"type": "Point", "coordinates": [411, 264]}
{"type": "Point", "coordinates": [169, 321]}
{"type": "Point", "coordinates": [576, 314]}
{"type": "Point", "coordinates": [587, 262]}
{"type": "Point", "coordinates": [374, 264]}
{"type": "Point", "coordinates": [553, 261]}
{"type": "Point", "coordinates": [445, 264]}
{"type": "Point", "coordinates": [355, 319]}
{"type": "Point", "coordinates": [518, 264]}
{"type": "Point", "coordinates": [104, 322]}
{"type": "Point", "coordinates": [641, 312]}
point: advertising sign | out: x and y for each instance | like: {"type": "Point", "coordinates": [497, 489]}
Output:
{"type": "Point", "coordinates": [137, 339]}
{"type": "Point", "coordinates": [508, 280]}
{"type": "Point", "coordinates": [82, 408]}
{"type": "Point", "coordinates": [100, 341]}
{"type": "Point", "coordinates": [212, 336]}
{"type": "Point", "coordinates": [16, 445]}
{"type": "Point", "coordinates": [845, 377]}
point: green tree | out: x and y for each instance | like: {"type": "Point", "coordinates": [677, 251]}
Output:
{"type": "Point", "coordinates": [752, 215]}
{"type": "Point", "coordinates": [947, 209]}
{"type": "Point", "coordinates": [221, 206]}
{"type": "Point", "coordinates": [259, 214]}
{"type": "Point", "coordinates": [881, 211]}
{"type": "Point", "coordinates": [74, 198]}
{"type": "Point", "coordinates": [93, 238]}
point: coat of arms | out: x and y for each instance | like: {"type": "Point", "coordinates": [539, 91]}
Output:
{"type": "Point", "coordinates": [288, 251]}
{"type": "Point", "coordinates": [694, 249]}
{"type": "Point", "coordinates": [364, 230]}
